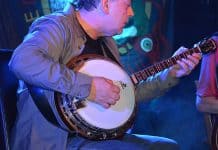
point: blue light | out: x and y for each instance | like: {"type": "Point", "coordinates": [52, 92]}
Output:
{"type": "Point", "coordinates": [57, 5]}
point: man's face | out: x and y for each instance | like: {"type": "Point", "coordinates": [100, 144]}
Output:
{"type": "Point", "coordinates": [119, 11]}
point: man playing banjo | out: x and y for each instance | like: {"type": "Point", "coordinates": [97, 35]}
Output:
{"type": "Point", "coordinates": [43, 60]}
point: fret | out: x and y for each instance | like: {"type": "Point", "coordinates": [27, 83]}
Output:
{"type": "Point", "coordinates": [177, 57]}
{"type": "Point", "coordinates": [165, 64]}
{"type": "Point", "coordinates": [141, 75]}
{"type": "Point", "coordinates": [191, 51]}
{"type": "Point", "coordinates": [151, 70]}
{"type": "Point", "coordinates": [196, 50]}
{"type": "Point", "coordinates": [184, 55]}
{"type": "Point", "coordinates": [155, 68]}
{"type": "Point", "coordinates": [147, 72]}
{"type": "Point", "coordinates": [158, 67]}
{"type": "Point", "coordinates": [168, 63]}
{"type": "Point", "coordinates": [174, 60]}
{"type": "Point", "coordinates": [138, 76]}
{"type": "Point", "coordinates": [162, 65]}
{"type": "Point", "coordinates": [144, 74]}
{"type": "Point", "coordinates": [187, 53]}
{"type": "Point", "coordinates": [161, 68]}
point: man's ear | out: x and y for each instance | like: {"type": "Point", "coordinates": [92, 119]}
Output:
{"type": "Point", "coordinates": [105, 6]}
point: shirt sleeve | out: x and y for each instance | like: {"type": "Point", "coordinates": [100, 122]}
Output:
{"type": "Point", "coordinates": [207, 84]}
{"type": "Point", "coordinates": [207, 91]}
{"type": "Point", "coordinates": [37, 61]}
{"type": "Point", "coordinates": [155, 86]}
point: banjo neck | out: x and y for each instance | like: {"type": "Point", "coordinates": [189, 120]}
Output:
{"type": "Point", "coordinates": [205, 47]}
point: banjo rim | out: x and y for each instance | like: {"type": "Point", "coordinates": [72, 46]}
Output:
{"type": "Point", "coordinates": [76, 123]}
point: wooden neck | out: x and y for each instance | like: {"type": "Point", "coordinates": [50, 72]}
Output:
{"type": "Point", "coordinates": [149, 71]}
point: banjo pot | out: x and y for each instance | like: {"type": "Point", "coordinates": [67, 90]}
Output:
{"type": "Point", "coordinates": [90, 119]}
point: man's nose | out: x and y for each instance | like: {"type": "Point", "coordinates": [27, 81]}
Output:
{"type": "Point", "coordinates": [130, 12]}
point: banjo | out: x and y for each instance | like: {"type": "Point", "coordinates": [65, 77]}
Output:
{"type": "Point", "coordinates": [95, 122]}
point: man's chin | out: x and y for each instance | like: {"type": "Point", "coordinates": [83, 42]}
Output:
{"type": "Point", "coordinates": [119, 31]}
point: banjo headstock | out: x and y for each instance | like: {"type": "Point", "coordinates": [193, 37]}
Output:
{"type": "Point", "coordinates": [207, 45]}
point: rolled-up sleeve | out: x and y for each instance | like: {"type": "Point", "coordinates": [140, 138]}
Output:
{"type": "Point", "coordinates": [155, 86]}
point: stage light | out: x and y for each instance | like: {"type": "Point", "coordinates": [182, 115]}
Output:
{"type": "Point", "coordinates": [57, 5]}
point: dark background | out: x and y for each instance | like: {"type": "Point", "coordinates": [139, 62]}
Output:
{"type": "Point", "coordinates": [173, 24]}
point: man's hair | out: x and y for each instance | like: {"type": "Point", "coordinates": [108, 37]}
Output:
{"type": "Point", "coordinates": [85, 4]}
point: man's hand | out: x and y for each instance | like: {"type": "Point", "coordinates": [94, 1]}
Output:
{"type": "Point", "coordinates": [184, 66]}
{"type": "Point", "coordinates": [104, 92]}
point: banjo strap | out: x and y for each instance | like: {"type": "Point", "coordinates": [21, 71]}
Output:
{"type": "Point", "coordinates": [42, 104]}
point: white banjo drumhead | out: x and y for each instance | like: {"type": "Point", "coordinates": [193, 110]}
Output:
{"type": "Point", "coordinates": [117, 114]}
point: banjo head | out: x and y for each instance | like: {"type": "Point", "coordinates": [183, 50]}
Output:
{"type": "Point", "coordinates": [117, 114]}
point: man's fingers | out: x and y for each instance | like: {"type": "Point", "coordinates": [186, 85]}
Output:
{"type": "Point", "coordinates": [105, 105]}
{"type": "Point", "coordinates": [116, 89]}
{"type": "Point", "coordinates": [109, 81]}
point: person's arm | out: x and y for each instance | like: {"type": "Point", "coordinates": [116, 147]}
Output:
{"type": "Point", "coordinates": [155, 86]}
{"type": "Point", "coordinates": [37, 61]}
{"type": "Point", "coordinates": [158, 84]}
{"type": "Point", "coordinates": [207, 104]}
{"type": "Point", "coordinates": [207, 91]}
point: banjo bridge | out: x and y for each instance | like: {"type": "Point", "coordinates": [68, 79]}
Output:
{"type": "Point", "coordinates": [121, 84]}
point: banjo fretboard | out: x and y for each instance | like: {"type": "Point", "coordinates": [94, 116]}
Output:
{"type": "Point", "coordinates": [205, 47]}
